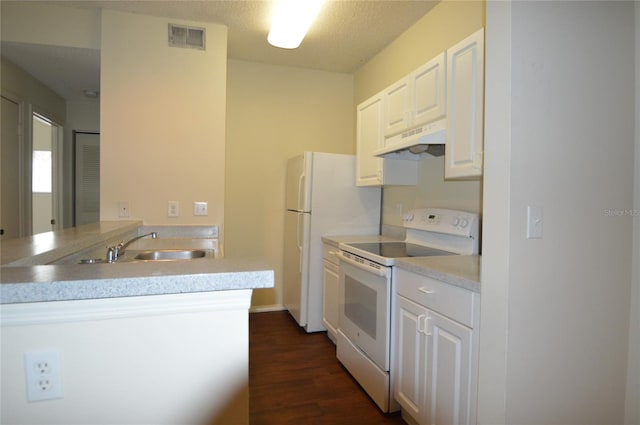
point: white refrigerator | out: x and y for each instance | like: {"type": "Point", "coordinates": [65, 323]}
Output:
{"type": "Point", "coordinates": [321, 200]}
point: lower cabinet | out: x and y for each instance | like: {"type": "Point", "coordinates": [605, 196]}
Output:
{"type": "Point", "coordinates": [435, 357]}
{"type": "Point", "coordinates": [330, 281]}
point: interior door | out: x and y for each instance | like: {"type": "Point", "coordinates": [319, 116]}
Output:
{"type": "Point", "coordinates": [10, 163]}
{"type": "Point", "coordinates": [87, 177]}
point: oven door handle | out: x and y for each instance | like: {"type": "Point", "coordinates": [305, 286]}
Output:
{"type": "Point", "coordinates": [369, 269]}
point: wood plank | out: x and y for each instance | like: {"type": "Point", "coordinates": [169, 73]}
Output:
{"type": "Point", "coordinates": [295, 378]}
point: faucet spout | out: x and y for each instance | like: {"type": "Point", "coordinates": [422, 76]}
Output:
{"type": "Point", "coordinates": [113, 252]}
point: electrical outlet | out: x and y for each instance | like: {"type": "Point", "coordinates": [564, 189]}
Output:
{"type": "Point", "coordinates": [123, 209]}
{"type": "Point", "coordinates": [173, 209]}
{"type": "Point", "coordinates": [200, 208]}
{"type": "Point", "coordinates": [42, 370]}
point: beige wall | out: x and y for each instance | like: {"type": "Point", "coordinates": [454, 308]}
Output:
{"type": "Point", "coordinates": [274, 113]}
{"type": "Point", "coordinates": [447, 23]}
{"type": "Point", "coordinates": [162, 120]}
{"type": "Point", "coordinates": [48, 24]}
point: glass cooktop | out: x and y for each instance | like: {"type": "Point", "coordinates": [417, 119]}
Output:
{"type": "Point", "coordinates": [399, 249]}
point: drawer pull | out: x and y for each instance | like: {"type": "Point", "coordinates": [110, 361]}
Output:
{"type": "Point", "coordinates": [426, 291]}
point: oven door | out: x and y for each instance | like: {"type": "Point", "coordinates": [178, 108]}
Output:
{"type": "Point", "coordinates": [365, 303]}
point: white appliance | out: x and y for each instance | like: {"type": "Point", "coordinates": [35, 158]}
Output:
{"type": "Point", "coordinates": [321, 200]}
{"type": "Point", "coordinates": [366, 284]}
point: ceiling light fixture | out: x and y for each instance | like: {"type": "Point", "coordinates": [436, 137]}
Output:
{"type": "Point", "coordinates": [291, 20]}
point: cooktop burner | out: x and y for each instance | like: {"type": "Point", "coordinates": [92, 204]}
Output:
{"type": "Point", "coordinates": [399, 249]}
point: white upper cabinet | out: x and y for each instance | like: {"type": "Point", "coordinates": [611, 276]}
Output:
{"type": "Point", "coordinates": [371, 170]}
{"type": "Point", "coordinates": [428, 94]}
{"type": "Point", "coordinates": [369, 138]}
{"type": "Point", "coordinates": [397, 116]}
{"type": "Point", "coordinates": [450, 86]}
{"type": "Point", "coordinates": [417, 99]}
{"type": "Point", "coordinates": [465, 108]}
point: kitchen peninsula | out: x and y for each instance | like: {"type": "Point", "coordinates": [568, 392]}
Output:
{"type": "Point", "coordinates": [136, 342]}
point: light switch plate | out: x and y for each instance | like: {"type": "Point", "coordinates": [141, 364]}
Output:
{"type": "Point", "coordinates": [200, 208]}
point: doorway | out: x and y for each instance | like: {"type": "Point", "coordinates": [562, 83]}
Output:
{"type": "Point", "coordinates": [10, 158]}
{"type": "Point", "coordinates": [46, 154]}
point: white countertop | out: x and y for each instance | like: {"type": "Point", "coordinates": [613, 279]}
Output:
{"type": "Point", "coordinates": [458, 270]}
{"type": "Point", "coordinates": [25, 276]}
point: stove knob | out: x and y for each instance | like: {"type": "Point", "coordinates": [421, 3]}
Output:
{"type": "Point", "coordinates": [456, 221]}
{"type": "Point", "coordinates": [464, 222]}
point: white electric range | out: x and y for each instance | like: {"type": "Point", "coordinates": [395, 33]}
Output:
{"type": "Point", "coordinates": [366, 283]}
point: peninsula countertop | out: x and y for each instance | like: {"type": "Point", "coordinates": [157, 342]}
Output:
{"type": "Point", "coordinates": [48, 282]}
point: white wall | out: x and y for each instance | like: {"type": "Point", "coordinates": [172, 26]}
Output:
{"type": "Point", "coordinates": [560, 135]}
{"type": "Point", "coordinates": [632, 407]}
{"type": "Point", "coordinates": [162, 119]}
{"type": "Point", "coordinates": [168, 359]}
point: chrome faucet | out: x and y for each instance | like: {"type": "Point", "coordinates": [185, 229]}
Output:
{"type": "Point", "coordinates": [113, 252]}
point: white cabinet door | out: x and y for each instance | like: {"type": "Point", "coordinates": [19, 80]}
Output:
{"type": "Point", "coordinates": [369, 138]}
{"type": "Point", "coordinates": [409, 376]}
{"type": "Point", "coordinates": [330, 279]}
{"type": "Point", "coordinates": [416, 99]}
{"type": "Point", "coordinates": [372, 170]}
{"type": "Point", "coordinates": [397, 107]}
{"type": "Point", "coordinates": [428, 91]}
{"type": "Point", "coordinates": [448, 372]}
{"type": "Point", "coordinates": [465, 107]}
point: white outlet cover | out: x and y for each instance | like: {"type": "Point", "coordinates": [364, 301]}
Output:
{"type": "Point", "coordinates": [200, 208]}
{"type": "Point", "coordinates": [123, 209]}
{"type": "Point", "coordinates": [42, 372]}
{"type": "Point", "coordinates": [173, 209]}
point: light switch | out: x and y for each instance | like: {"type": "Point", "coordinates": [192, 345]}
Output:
{"type": "Point", "coordinates": [534, 222]}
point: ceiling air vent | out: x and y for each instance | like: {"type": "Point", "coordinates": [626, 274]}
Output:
{"type": "Point", "coordinates": [188, 37]}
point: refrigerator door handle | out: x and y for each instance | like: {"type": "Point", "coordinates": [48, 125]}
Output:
{"type": "Point", "coordinates": [301, 200]}
{"type": "Point", "coordinates": [299, 240]}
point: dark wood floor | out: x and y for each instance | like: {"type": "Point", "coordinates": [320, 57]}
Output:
{"type": "Point", "coordinates": [295, 378]}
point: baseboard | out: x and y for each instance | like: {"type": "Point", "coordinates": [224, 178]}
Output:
{"type": "Point", "coordinates": [266, 308]}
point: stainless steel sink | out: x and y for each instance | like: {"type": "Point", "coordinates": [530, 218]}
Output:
{"type": "Point", "coordinates": [170, 254]}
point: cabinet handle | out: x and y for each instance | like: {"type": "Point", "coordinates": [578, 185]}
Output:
{"type": "Point", "coordinates": [421, 323]}
{"type": "Point", "coordinates": [426, 325]}
{"type": "Point", "coordinates": [426, 291]}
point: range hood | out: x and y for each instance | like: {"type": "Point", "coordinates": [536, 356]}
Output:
{"type": "Point", "coordinates": [420, 142]}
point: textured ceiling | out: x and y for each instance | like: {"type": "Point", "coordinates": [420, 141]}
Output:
{"type": "Point", "coordinates": [346, 34]}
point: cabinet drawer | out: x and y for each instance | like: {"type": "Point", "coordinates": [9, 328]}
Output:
{"type": "Point", "coordinates": [329, 253]}
{"type": "Point", "coordinates": [451, 301]}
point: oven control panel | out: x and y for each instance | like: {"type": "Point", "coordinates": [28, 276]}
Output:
{"type": "Point", "coordinates": [440, 220]}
